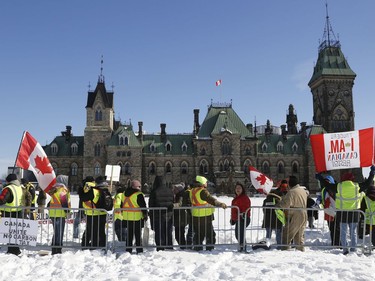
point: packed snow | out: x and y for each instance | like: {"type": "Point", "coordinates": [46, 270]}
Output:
{"type": "Point", "coordinates": [220, 264]}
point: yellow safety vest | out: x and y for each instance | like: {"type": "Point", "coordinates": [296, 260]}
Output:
{"type": "Point", "coordinates": [370, 211]}
{"type": "Point", "coordinates": [90, 208]}
{"type": "Point", "coordinates": [129, 204]}
{"type": "Point", "coordinates": [196, 201]}
{"type": "Point", "coordinates": [56, 210]}
{"type": "Point", "coordinates": [17, 199]}
{"type": "Point", "coordinates": [348, 196]}
{"type": "Point", "coordinates": [279, 214]}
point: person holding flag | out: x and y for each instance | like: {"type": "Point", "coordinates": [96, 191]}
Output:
{"type": "Point", "coordinates": [349, 195]}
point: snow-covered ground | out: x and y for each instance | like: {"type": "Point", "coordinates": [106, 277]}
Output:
{"type": "Point", "coordinates": [220, 264]}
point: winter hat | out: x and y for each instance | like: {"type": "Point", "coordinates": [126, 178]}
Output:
{"type": "Point", "coordinates": [24, 181]}
{"type": "Point", "coordinates": [62, 179]}
{"type": "Point", "coordinates": [293, 181]}
{"type": "Point", "coordinates": [11, 177]}
{"type": "Point", "coordinates": [177, 188]}
{"type": "Point", "coordinates": [201, 180]}
{"type": "Point", "coordinates": [88, 179]}
{"type": "Point", "coordinates": [329, 178]}
{"type": "Point", "coordinates": [348, 176]}
{"type": "Point", "coordinates": [100, 179]}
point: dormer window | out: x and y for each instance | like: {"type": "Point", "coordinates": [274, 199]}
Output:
{"type": "Point", "coordinates": [152, 147]}
{"type": "Point", "coordinates": [54, 148]}
{"type": "Point", "coordinates": [280, 146]}
{"type": "Point", "coordinates": [123, 139]}
{"type": "Point", "coordinates": [168, 146]}
{"type": "Point", "coordinates": [184, 147]}
{"type": "Point", "coordinates": [264, 147]}
{"type": "Point", "coordinates": [74, 149]}
{"type": "Point", "coordinates": [295, 147]}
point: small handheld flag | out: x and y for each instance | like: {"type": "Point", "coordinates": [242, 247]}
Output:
{"type": "Point", "coordinates": [261, 182]}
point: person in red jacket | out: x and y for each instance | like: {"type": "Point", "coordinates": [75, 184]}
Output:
{"type": "Point", "coordinates": [242, 219]}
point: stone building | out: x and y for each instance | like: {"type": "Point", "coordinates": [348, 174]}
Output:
{"type": "Point", "coordinates": [221, 147]}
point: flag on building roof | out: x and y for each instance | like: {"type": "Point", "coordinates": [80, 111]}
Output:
{"type": "Point", "coordinates": [260, 181]}
{"type": "Point", "coordinates": [218, 82]}
{"type": "Point", "coordinates": [32, 157]}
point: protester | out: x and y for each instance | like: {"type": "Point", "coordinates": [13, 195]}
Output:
{"type": "Point", "coordinates": [240, 217]}
{"type": "Point", "coordinates": [368, 207]}
{"type": "Point", "coordinates": [32, 197]}
{"type": "Point", "coordinates": [273, 218]}
{"type": "Point", "coordinates": [134, 214]}
{"type": "Point", "coordinates": [348, 202]}
{"type": "Point", "coordinates": [161, 199]}
{"type": "Point", "coordinates": [312, 215]}
{"type": "Point", "coordinates": [180, 216]}
{"type": "Point", "coordinates": [11, 199]}
{"type": "Point", "coordinates": [296, 216]}
{"type": "Point", "coordinates": [120, 227]}
{"type": "Point", "coordinates": [203, 217]}
{"type": "Point", "coordinates": [60, 201]}
{"type": "Point", "coordinates": [41, 202]}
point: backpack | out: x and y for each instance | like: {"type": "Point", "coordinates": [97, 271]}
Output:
{"type": "Point", "coordinates": [105, 200]}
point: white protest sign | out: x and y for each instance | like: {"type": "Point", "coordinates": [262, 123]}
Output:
{"type": "Point", "coordinates": [112, 172]}
{"type": "Point", "coordinates": [18, 231]}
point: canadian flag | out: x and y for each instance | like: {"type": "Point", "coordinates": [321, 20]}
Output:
{"type": "Point", "coordinates": [261, 182]}
{"type": "Point", "coordinates": [218, 82]}
{"type": "Point", "coordinates": [32, 157]}
{"type": "Point", "coordinates": [343, 150]}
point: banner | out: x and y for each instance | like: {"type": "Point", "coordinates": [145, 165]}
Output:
{"type": "Point", "coordinates": [343, 150]}
{"type": "Point", "coordinates": [18, 231]}
{"type": "Point", "coordinates": [261, 182]}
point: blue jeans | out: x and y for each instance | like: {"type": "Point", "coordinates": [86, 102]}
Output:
{"type": "Point", "coordinates": [58, 234]}
{"type": "Point", "coordinates": [353, 235]}
{"type": "Point", "coordinates": [278, 232]}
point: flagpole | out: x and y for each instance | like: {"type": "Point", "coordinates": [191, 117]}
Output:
{"type": "Point", "coordinates": [19, 147]}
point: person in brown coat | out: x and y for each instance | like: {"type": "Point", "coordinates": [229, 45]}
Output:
{"type": "Point", "coordinates": [296, 215]}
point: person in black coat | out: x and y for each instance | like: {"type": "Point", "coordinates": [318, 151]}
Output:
{"type": "Point", "coordinates": [161, 213]}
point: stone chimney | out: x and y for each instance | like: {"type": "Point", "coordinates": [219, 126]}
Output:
{"type": "Point", "coordinates": [163, 134]}
{"type": "Point", "coordinates": [196, 122]}
{"type": "Point", "coordinates": [140, 130]}
{"type": "Point", "coordinates": [249, 126]}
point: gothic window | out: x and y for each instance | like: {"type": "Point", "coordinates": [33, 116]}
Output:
{"type": "Point", "coordinates": [123, 140]}
{"type": "Point", "coordinates": [152, 168]}
{"type": "Point", "coordinates": [221, 166]}
{"type": "Point", "coordinates": [247, 150]}
{"type": "Point", "coordinates": [74, 169]}
{"type": "Point", "coordinates": [129, 154]}
{"type": "Point", "coordinates": [74, 148]}
{"type": "Point", "coordinates": [184, 147]}
{"type": "Point", "coordinates": [168, 146]}
{"type": "Point", "coordinates": [98, 114]}
{"type": "Point", "coordinates": [152, 147]}
{"type": "Point", "coordinates": [118, 153]}
{"type": "Point", "coordinates": [123, 153]}
{"type": "Point", "coordinates": [203, 167]}
{"type": "Point", "coordinates": [280, 146]}
{"type": "Point", "coordinates": [54, 148]}
{"type": "Point", "coordinates": [295, 147]}
{"type": "Point", "coordinates": [97, 149]}
{"type": "Point", "coordinates": [246, 165]}
{"type": "Point", "coordinates": [54, 166]}
{"type": "Point", "coordinates": [184, 168]}
{"type": "Point", "coordinates": [264, 147]}
{"type": "Point", "coordinates": [280, 168]}
{"type": "Point", "coordinates": [97, 169]}
{"type": "Point", "coordinates": [295, 167]}
{"type": "Point", "coordinates": [202, 151]}
{"type": "Point", "coordinates": [127, 169]}
{"type": "Point", "coordinates": [266, 167]}
{"type": "Point", "coordinates": [226, 165]}
{"type": "Point", "coordinates": [225, 147]}
{"type": "Point", "coordinates": [168, 168]}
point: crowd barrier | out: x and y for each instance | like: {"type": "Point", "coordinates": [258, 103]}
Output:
{"type": "Point", "coordinates": [37, 235]}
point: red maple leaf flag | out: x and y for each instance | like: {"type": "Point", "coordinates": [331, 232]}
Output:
{"type": "Point", "coordinates": [218, 82]}
{"type": "Point", "coordinates": [32, 157]}
{"type": "Point", "coordinates": [260, 181]}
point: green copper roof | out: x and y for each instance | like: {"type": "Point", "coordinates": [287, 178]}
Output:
{"type": "Point", "coordinates": [64, 146]}
{"type": "Point", "coordinates": [176, 141]}
{"type": "Point", "coordinates": [220, 119]}
{"type": "Point", "coordinates": [331, 62]}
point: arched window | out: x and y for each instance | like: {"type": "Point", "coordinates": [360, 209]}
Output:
{"type": "Point", "coordinates": [184, 147]}
{"type": "Point", "coordinates": [184, 168]}
{"type": "Point", "coordinates": [152, 147]}
{"type": "Point", "coordinates": [266, 167]}
{"type": "Point", "coordinates": [247, 150]}
{"type": "Point", "coordinates": [280, 168]}
{"type": "Point", "coordinates": [168, 168]}
{"type": "Point", "coordinates": [203, 167]}
{"type": "Point", "coordinates": [295, 167]}
{"type": "Point", "coordinates": [246, 165]}
{"type": "Point", "coordinates": [226, 165]}
{"type": "Point", "coordinates": [97, 149]}
{"type": "Point", "coordinates": [152, 168]}
{"type": "Point", "coordinates": [74, 149]}
{"type": "Point", "coordinates": [280, 146]}
{"type": "Point", "coordinates": [97, 169]}
{"type": "Point", "coordinates": [295, 147]}
{"type": "Point", "coordinates": [54, 149]}
{"type": "Point", "coordinates": [202, 151]}
{"type": "Point", "coordinates": [225, 147]}
{"type": "Point", "coordinates": [74, 169]}
{"type": "Point", "coordinates": [168, 147]}
{"type": "Point", "coordinates": [127, 169]}
{"type": "Point", "coordinates": [98, 114]}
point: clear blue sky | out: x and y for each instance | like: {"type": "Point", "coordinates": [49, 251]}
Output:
{"type": "Point", "coordinates": [163, 58]}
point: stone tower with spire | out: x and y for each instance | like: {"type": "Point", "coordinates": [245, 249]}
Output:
{"type": "Point", "coordinates": [331, 85]}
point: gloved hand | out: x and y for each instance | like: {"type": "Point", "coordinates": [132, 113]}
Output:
{"type": "Point", "coordinates": [232, 222]}
{"type": "Point", "coordinates": [222, 205]}
{"type": "Point", "coordinates": [372, 170]}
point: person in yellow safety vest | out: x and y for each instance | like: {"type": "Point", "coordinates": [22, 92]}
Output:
{"type": "Point", "coordinates": [202, 217]}
{"type": "Point", "coordinates": [11, 201]}
{"type": "Point", "coordinates": [31, 189]}
{"type": "Point", "coordinates": [348, 201]}
{"type": "Point", "coordinates": [94, 236]}
{"type": "Point", "coordinates": [134, 214]}
{"type": "Point", "coordinates": [59, 206]}
{"type": "Point", "coordinates": [120, 227]}
{"type": "Point", "coordinates": [368, 207]}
